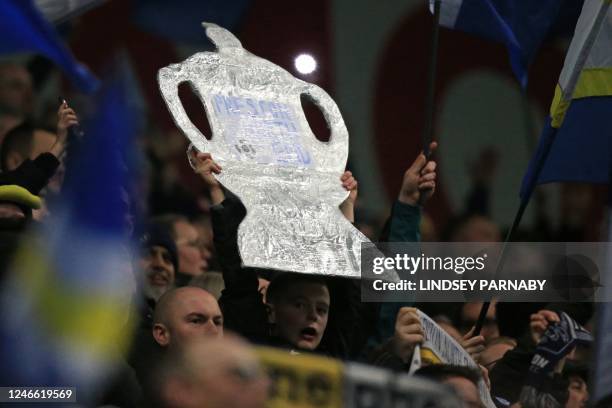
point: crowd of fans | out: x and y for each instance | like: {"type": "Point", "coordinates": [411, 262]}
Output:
{"type": "Point", "coordinates": [201, 310]}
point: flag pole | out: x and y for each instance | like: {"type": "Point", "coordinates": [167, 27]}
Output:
{"type": "Point", "coordinates": [517, 220]}
{"type": "Point", "coordinates": [427, 136]}
{"type": "Point", "coordinates": [600, 10]}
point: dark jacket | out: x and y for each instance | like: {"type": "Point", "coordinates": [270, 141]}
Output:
{"type": "Point", "coordinates": [509, 374]}
{"type": "Point", "coordinates": [402, 226]}
{"type": "Point", "coordinates": [350, 321]}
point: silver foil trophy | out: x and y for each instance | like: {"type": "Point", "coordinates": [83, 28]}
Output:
{"type": "Point", "coordinates": [288, 180]}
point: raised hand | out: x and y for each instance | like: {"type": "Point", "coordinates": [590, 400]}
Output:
{"type": "Point", "coordinates": [474, 345]}
{"type": "Point", "coordinates": [419, 182]}
{"type": "Point", "coordinates": [66, 117]}
{"type": "Point", "coordinates": [539, 323]}
{"type": "Point", "coordinates": [408, 333]}
{"type": "Point", "coordinates": [348, 206]}
{"type": "Point", "coordinates": [206, 167]}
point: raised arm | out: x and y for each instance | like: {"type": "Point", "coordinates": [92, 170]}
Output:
{"type": "Point", "coordinates": [418, 185]}
{"type": "Point", "coordinates": [66, 118]}
{"type": "Point", "coordinates": [227, 214]}
{"type": "Point", "coordinates": [348, 206]}
{"type": "Point", "coordinates": [241, 302]}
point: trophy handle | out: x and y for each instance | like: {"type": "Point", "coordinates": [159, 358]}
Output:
{"type": "Point", "coordinates": [168, 85]}
{"type": "Point", "coordinates": [338, 138]}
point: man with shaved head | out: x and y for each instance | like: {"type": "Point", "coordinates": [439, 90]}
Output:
{"type": "Point", "coordinates": [184, 314]}
{"type": "Point", "coordinates": [181, 317]}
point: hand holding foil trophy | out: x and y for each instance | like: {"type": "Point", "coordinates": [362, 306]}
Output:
{"type": "Point", "coordinates": [288, 181]}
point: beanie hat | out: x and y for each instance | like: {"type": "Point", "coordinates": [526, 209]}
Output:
{"type": "Point", "coordinates": [157, 235]}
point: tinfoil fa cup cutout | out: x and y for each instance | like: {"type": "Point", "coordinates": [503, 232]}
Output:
{"type": "Point", "coordinates": [287, 179]}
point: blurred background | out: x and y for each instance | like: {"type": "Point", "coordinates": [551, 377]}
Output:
{"type": "Point", "coordinates": [372, 58]}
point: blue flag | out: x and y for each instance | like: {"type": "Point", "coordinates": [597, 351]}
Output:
{"type": "Point", "coordinates": [575, 141]}
{"type": "Point", "coordinates": [23, 29]}
{"type": "Point", "coordinates": [520, 25]}
{"type": "Point", "coordinates": [67, 298]}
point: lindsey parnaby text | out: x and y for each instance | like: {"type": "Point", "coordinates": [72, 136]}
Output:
{"type": "Point", "coordinates": [461, 285]}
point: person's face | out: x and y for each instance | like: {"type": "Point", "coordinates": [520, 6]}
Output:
{"type": "Point", "coordinates": [15, 90]}
{"type": "Point", "coordinates": [300, 315]}
{"type": "Point", "coordinates": [205, 238]}
{"type": "Point", "coordinates": [158, 270]}
{"type": "Point", "coordinates": [42, 141]}
{"type": "Point", "coordinates": [191, 261]}
{"type": "Point", "coordinates": [578, 393]}
{"type": "Point", "coordinates": [239, 382]}
{"type": "Point", "coordinates": [466, 390]}
{"type": "Point", "coordinates": [194, 314]}
{"type": "Point", "coordinates": [223, 374]}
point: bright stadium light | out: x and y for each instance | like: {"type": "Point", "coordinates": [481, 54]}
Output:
{"type": "Point", "coordinates": [305, 64]}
